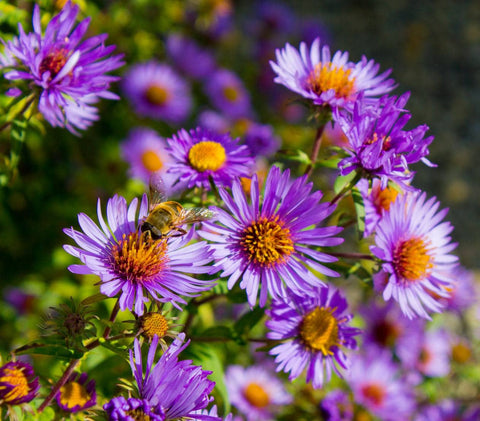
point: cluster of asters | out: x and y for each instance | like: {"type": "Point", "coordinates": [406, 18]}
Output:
{"type": "Point", "coordinates": [270, 236]}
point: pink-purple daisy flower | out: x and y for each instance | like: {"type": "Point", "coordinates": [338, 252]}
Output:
{"type": "Point", "coordinates": [255, 392]}
{"type": "Point", "coordinates": [314, 331]}
{"type": "Point", "coordinates": [133, 265]}
{"type": "Point", "coordinates": [414, 246]}
{"type": "Point", "coordinates": [378, 145]}
{"type": "Point", "coordinates": [18, 383]}
{"type": "Point", "coordinates": [157, 91]}
{"type": "Point", "coordinates": [201, 155]}
{"type": "Point", "coordinates": [67, 73]}
{"type": "Point", "coordinates": [328, 80]}
{"type": "Point", "coordinates": [77, 394]}
{"type": "Point", "coordinates": [265, 244]}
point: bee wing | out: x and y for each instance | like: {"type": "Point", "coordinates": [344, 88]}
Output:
{"type": "Point", "coordinates": [157, 190]}
{"type": "Point", "coordinates": [191, 215]}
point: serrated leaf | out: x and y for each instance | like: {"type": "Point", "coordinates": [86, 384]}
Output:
{"type": "Point", "coordinates": [248, 321]}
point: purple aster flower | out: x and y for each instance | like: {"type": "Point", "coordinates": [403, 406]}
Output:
{"type": "Point", "coordinates": [157, 91]}
{"type": "Point", "coordinates": [326, 80]}
{"type": "Point", "coordinates": [336, 406]}
{"type": "Point", "coordinates": [76, 394]}
{"type": "Point", "coordinates": [255, 392]}
{"type": "Point", "coordinates": [191, 59]}
{"type": "Point", "coordinates": [175, 388]}
{"type": "Point", "coordinates": [214, 121]}
{"type": "Point", "coordinates": [261, 140]}
{"type": "Point", "coordinates": [131, 409]}
{"type": "Point", "coordinates": [18, 383]}
{"type": "Point", "coordinates": [134, 265]}
{"type": "Point", "coordinates": [266, 245]}
{"type": "Point", "coordinates": [378, 145]}
{"type": "Point", "coordinates": [145, 151]}
{"type": "Point", "coordinates": [374, 381]}
{"type": "Point", "coordinates": [200, 155]}
{"type": "Point", "coordinates": [313, 328]}
{"type": "Point", "coordinates": [66, 73]}
{"type": "Point", "coordinates": [462, 291]}
{"type": "Point", "coordinates": [448, 410]}
{"type": "Point", "coordinates": [228, 94]}
{"type": "Point", "coordinates": [414, 247]}
{"type": "Point", "coordinates": [21, 301]}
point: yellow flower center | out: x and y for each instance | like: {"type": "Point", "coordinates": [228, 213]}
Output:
{"type": "Point", "coordinates": [319, 330]}
{"type": "Point", "coordinates": [461, 353]}
{"type": "Point", "coordinates": [151, 161]}
{"type": "Point", "coordinates": [137, 258]}
{"type": "Point", "coordinates": [374, 392]}
{"type": "Point", "coordinates": [411, 259]}
{"type": "Point", "coordinates": [54, 62]}
{"type": "Point", "coordinates": [361, 415]}
{"type": "Point", "coordinates": [256, 395]}
{"type": "Point", "coordinates": [154, 324]}
{"type": "Point", "coordinates": [326, 76]}
{"type": "Point", "coordinates": [207, 155]}
{"type": "Point", "coordinates": [138, 415]}
{"type": "Point", "coordinates": [387, 141]}
{"type": "Point", "coordinates": [73, 394]}
{"type": "Point", "coordinates": [157, 95]}
{"type": "Point", "coordinates": [16, 378]}
{"type": "Point", "coordinates": [267, 242]}
{"type": "Point", "coordinates": [230, 93]}
{"type": "Point", "coordinates": [383, 198]}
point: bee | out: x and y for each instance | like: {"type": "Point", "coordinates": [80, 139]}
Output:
{"type": "Point", "coordinates": [165, 218]}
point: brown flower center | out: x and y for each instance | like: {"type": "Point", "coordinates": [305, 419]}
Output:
{"type": "Point", "coordinates": [157, 95]}
{"type": "Point", "coordinates": [53, 62]}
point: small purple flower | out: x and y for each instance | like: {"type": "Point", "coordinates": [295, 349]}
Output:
{"type": "Point", "coordinates": [374, 381]}
{"type": "Point", "coordinates": [191, 59]}
{"type": "Point", "coordinates": [261, 140]}
{"type": "Point", "coordinates": [76, 394]}
{"type": "Point", "coordinates": [378, 145]}
{"type": "Point", "coordinates": [447, 410]}
{"type": "Point", "coordinates": [462, 290]}
{"type": "Point", "coordinates": [175, 388]}
{"type": "Point", "coordinates": [66, 73]}
{"type": "Point", "coordinates": [336, 406]}
{"type": "Point", "coordinates": [228, 94]}
{"type": "Point", "coordinates": [266, 245]}
{"type": "Point", "coordinates": [146, 153]}
{"type": "Point", "coordinates": [313, 328]}
{"type": "Point", "coordinates": [326, 80]}
{"type": "Point", "coordinates": [131, 409]}
{"type": "Point", "coordinates": [157, 91]}
{"type": "Point", "coordinates": [255, 392]}
{"type": "Point", "coordinates": [18, 383]}
{"type": "Point", "coordinates": [200, 155]}
{"type": "Point", "coordinates": [134, 266]}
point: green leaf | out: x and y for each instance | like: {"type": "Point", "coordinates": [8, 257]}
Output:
{"type": "Point", "coordinates": [118, 349]}
{"type": "Point", "coordinates": [248, 321]}
{"type": "Point", "coordinates": [343, 181]}
{"type": "Point", "coordinates": [57, 351]}
{"type": "Point", "coordinates": [94, 299]}
{"type": "Point", "coordinates": [360, 210]}
{"type": "Point", "coordinates": [218, 332]}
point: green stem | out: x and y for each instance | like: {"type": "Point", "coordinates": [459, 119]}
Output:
{"type": "Point", "coordinates": [315, 150]}
{"type": "Point", "coordinates": [347, 188]}
{"type": "Point", "coordinates": [28, 103]}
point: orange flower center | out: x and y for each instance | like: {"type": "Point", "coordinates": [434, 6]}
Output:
{"type": "Point", "coordinates": [151, 161]}
{"type": "Point", "coordinates": [16, 378]}
{"type": "Point", "coordinates": [461, 353]}
{"type": "Point", "coordinates": [157, 95]}
{"type": "Point", "coordinates": [319, 330]}
{"type": "Point", "coordinates": [326, 76]}
{"type": "Point", "coordinates": [383, 198]}
{"type": "Point", "coordinates": [73, 394]}
{"type": "Point", "coordinates": [256, 395]}
{"type": "Point", "coordinates": [374, 392]}
{"type": "Point", "coordinates": [154, 324]}
{"type": "Point", "coordinates": [412, 260]}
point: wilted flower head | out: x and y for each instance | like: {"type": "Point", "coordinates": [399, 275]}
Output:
{"type": "Point", "coordinates": [76, 394]}
{"type": "Point", "coordinates": [328, 81]}
{"type": "Point", "coordinates": [133, 264]}
{"type": "Point", "coordinates": [67, 74]}
{"type": "Point", "coordinates": [414, 247]}
{"type": "Point", "coordinates": [255, 392]}
{"type": "Point", "coordinates": [157, 91]}
{"type": "Point", "coordinates": [314, 331]}
{"type": "Point", "coordinates": [18, 383]}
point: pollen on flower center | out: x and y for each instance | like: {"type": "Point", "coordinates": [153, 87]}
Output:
{"type": "Point", "coordinates": [151, 161]}
{"type": "Point", "coordinates": [207, 155]}
{"type": "Point", "coordinates": [54, 62]}
{"type": "Point", "coordinates": [73, 394]}
{"type": "Point", "coordinates": [319, 330]}
{"type": "Point", "coordinates": [137, 258]}
{"type": "Point", "coordinates": [154, 324]}
{"type": "Point", "coordinates": [326, 76]}
{"type": "Point", "coordinates": [383, 198]}
{"type": "Point", "coordinates": [267, 242]}
{"type": "Point", "coordinates": [157, 95]}
{"type": "Point", "coordinates": [16, 378]}
{"type": "Point", "coordinates": [375, 393]}
{"type": "Point", "coordinates": [411, 259]}
{"type": "Point", "coordinates": [138, 415]}
{"type": "Point", "coordinates": [256, 395]}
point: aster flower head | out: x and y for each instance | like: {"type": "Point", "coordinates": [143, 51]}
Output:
{"type": "Point", "coordinates": [336, 406]}
{"type": "Point", "coordinates": [77, 394]}
{"type": "Point", "coordinates": [67, 73]}
{"type": "Point", "coordinates": [175, 388]}
{"type": "Point", "coordinates": [314, 330]}
{"type": "Point", "coordinates": [145, 151]}
{"type": "Point", "coordinates": [265, 245]}
{"type": "Point", "coordinates": [18, 383]}
{"type": "Point", "coordinates": [328, 80]}
{"type": "Point", "coordinates": [157, 91]}
{"type": "Point", "coordinates": [414, 246]}
{"type": "Point", "coordinates": [447, 410]}
{"type": "Point", "coordinates": [201, 154]}
{"type": "Point", "coordinates": [378, 145]}
{"type": "Point", "coordinates": [134, 265]}
{"type": "Point", "coordinates": [255, 392]}
{"type": "Point", "coordinates": [131, 409]}
{"type": "Point", "coordinates": [375, 384]}
{"type": "Point", "coordinates": [261, 140]}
